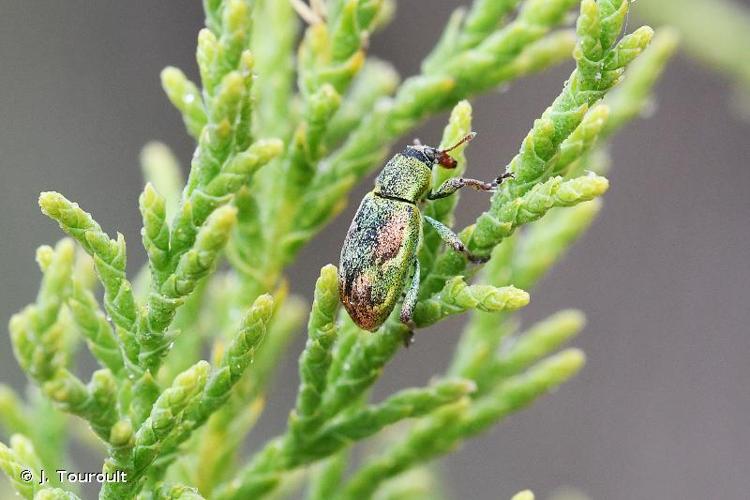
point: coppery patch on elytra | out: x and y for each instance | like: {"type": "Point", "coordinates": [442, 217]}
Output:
{"type": "Point", "coordinates": [390, 237]}
{"type": "Point", "coordinates": [358, 302]}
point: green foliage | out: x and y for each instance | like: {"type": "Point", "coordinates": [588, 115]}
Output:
{"type": "Point", "coordinates": [274, 163]}
{"type": "Point", "coordinates": [715, 32]}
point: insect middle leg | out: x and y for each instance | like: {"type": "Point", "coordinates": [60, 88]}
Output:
{"type": "Point", "coordinates": [452, 239]}
{"type": "Point", "coordinates": [453, 184]}
{"type": "Point", "coordinates": [410, 302]}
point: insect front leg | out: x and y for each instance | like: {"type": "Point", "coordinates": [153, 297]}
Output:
{"type": "Point", "coordinates": [453, 184]}
{"type": "Point", "coordinates": [452, 239]}
{"type": "Point", "coordinates": [410, 302]}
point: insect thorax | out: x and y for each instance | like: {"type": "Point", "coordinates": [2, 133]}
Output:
{"type": "Point", "coordinates": [404, 177]}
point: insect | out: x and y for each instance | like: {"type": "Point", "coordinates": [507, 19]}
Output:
{"type": "Point", "coordinates": [380, 250]}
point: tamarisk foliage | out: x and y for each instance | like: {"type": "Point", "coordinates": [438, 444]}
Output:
{"type": "Point", "coordinates": [282, 137]}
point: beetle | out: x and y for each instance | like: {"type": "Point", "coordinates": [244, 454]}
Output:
{"type": "Point", "coordinates": [380, 249]}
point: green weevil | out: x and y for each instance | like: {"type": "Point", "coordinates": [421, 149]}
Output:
{"type": "Point", "coordinates": [380, 250]}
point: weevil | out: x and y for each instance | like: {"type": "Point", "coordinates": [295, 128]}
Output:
{"type": "Point", "coordinates": [379, 254]}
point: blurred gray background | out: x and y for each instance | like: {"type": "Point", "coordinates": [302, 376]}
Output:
{"type": "Point", "coordinates": [660, 411]}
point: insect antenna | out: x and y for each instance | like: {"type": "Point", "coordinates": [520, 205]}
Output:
{"type": "Point", "coordinates": [467, 138]}
{"type": "Point", "coordinates": [444, 159]}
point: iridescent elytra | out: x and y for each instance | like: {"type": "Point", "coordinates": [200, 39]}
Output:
{"type": "Point", "coordinates": [379, 254]}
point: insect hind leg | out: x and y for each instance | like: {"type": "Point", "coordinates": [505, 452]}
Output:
{"type": "Point", "coordinates": [409, 304]}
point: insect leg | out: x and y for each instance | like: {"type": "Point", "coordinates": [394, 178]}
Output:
{"type": "Point", "coordinates": [453, 184]}
{"type": "Point", "coordinates": [410, 302]}
{"type": "Point", "coordinates": [451, 239]}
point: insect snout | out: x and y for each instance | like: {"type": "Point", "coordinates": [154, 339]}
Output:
{"type": "Point", "coordinates": [447, 161]}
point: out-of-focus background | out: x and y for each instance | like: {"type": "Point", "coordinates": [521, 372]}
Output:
{"type": "Point", "coordinates": [660, 411]}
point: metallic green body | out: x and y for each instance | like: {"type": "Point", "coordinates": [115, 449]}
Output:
{"type": "Point", "coordinates": [381, 245]}
{"type": "Point", "coordinates": [380, 250]}
{"type": "Point", "coordinates": [404, 177]}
